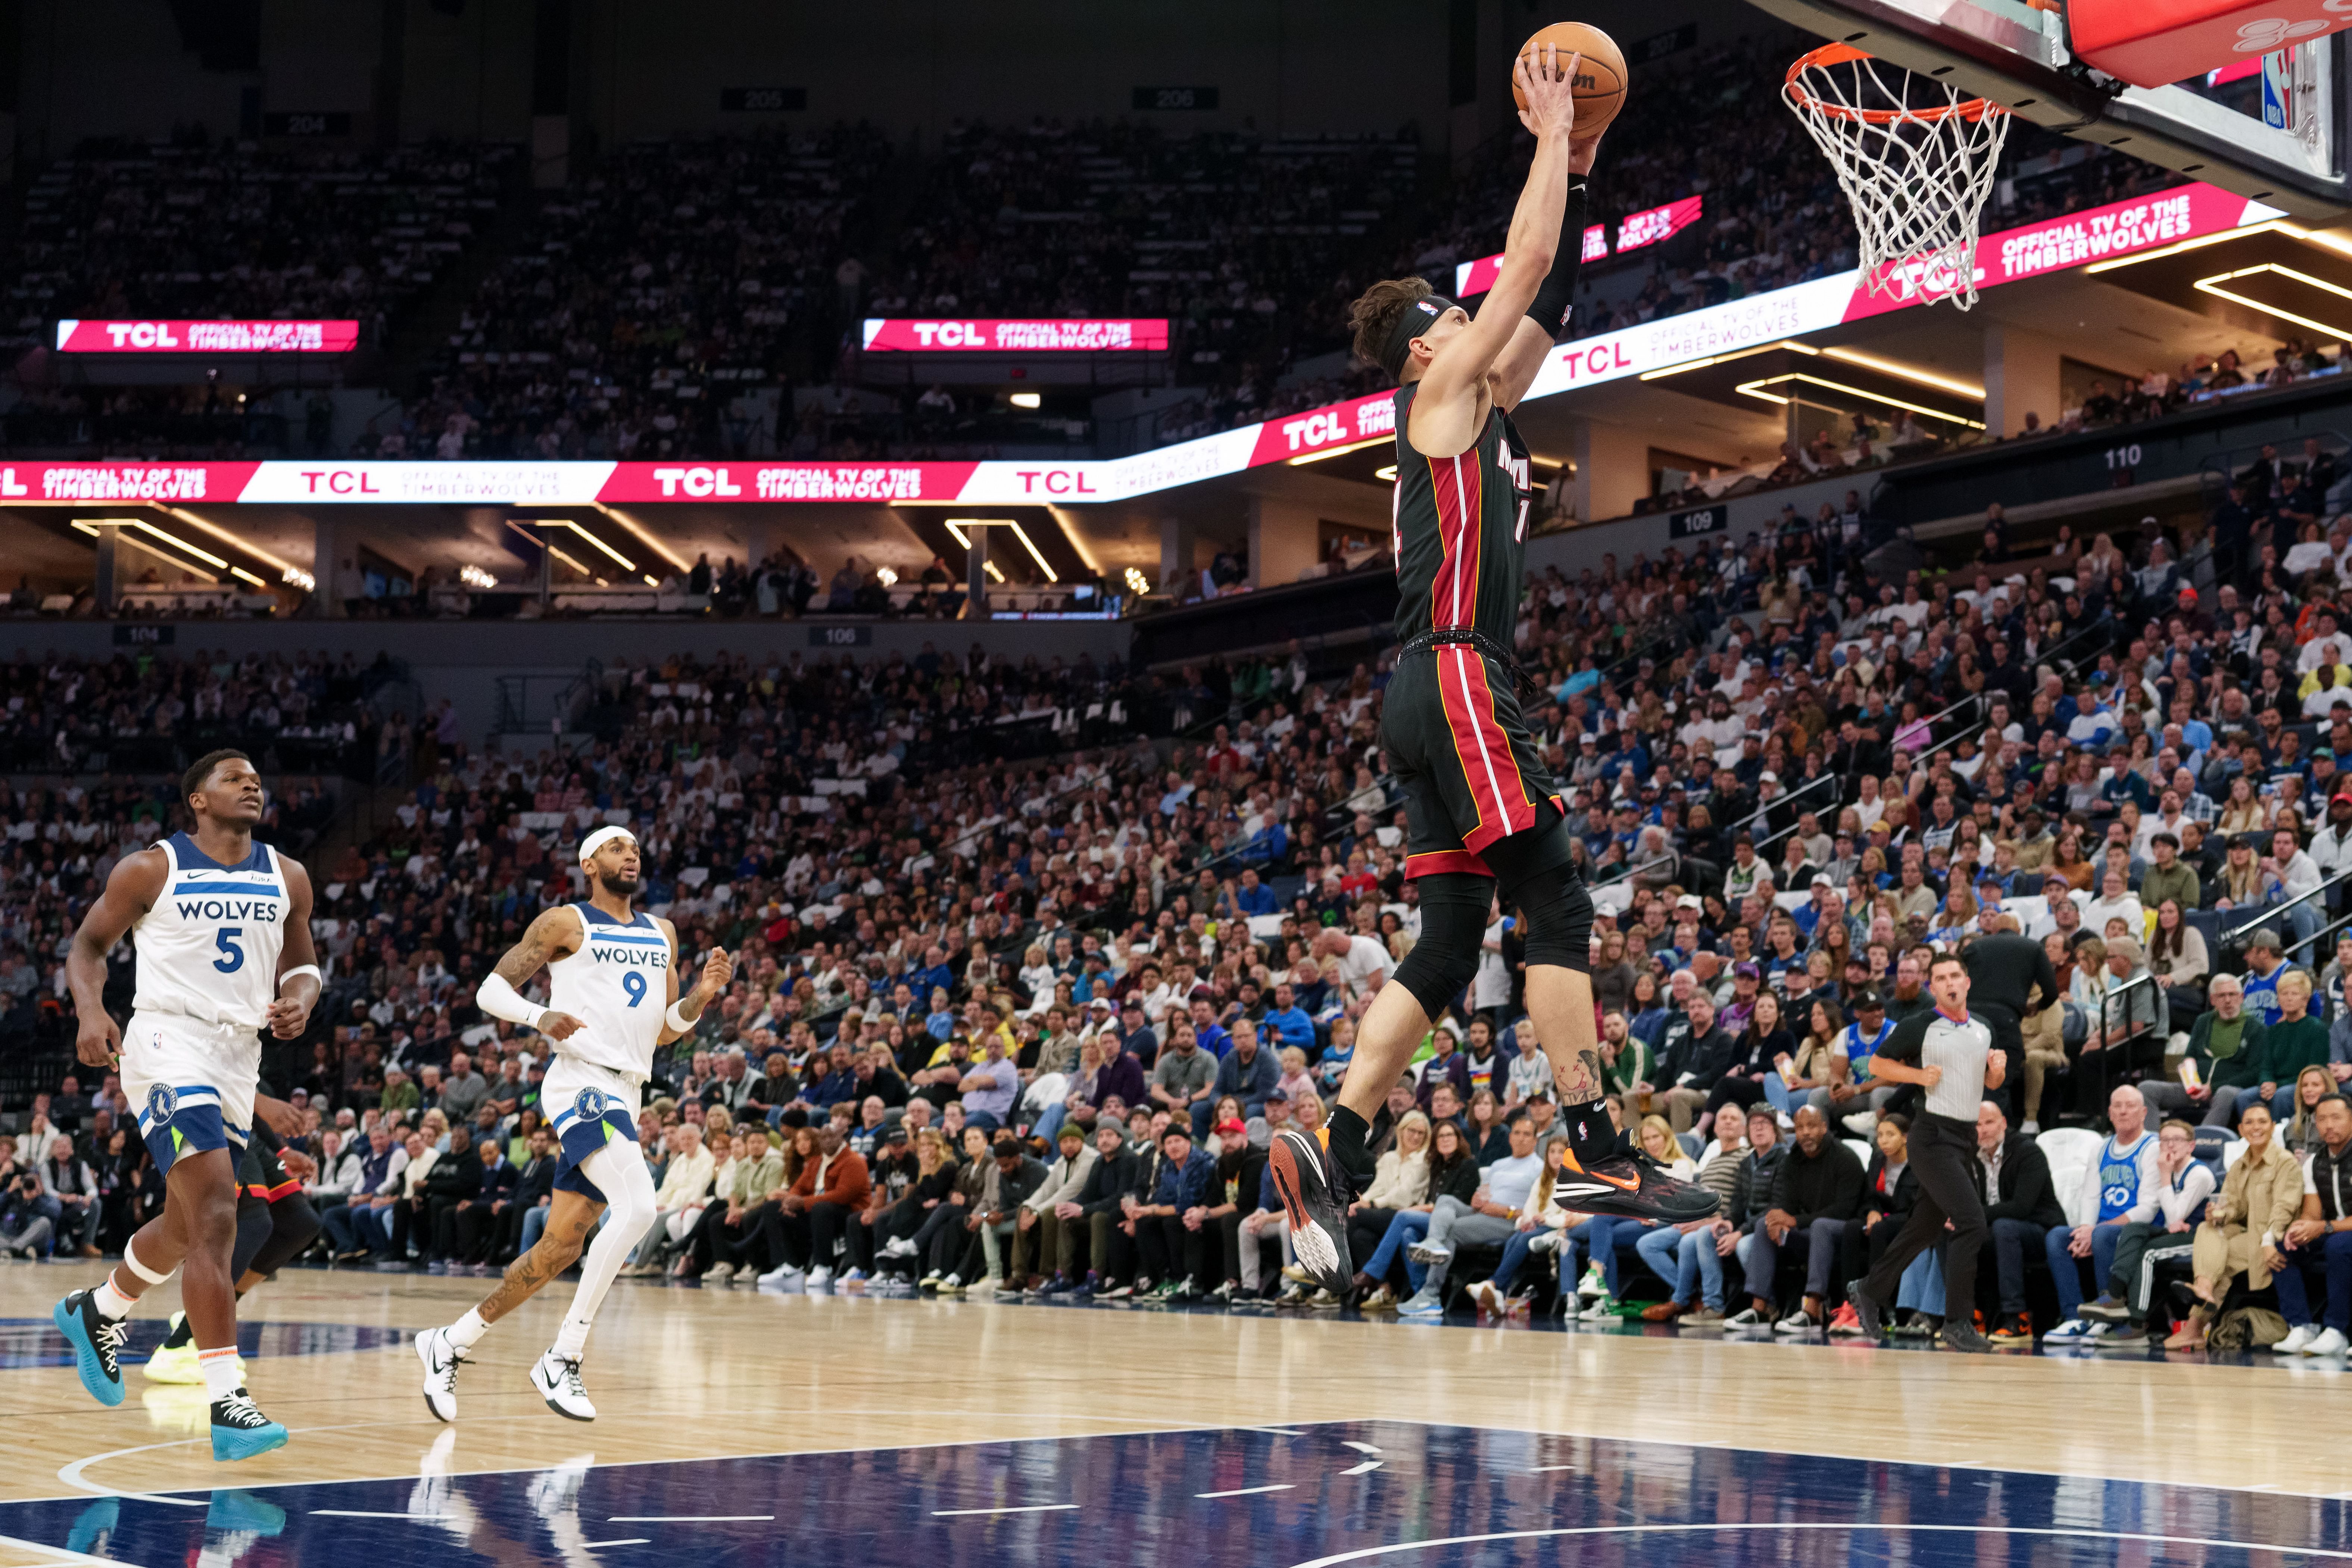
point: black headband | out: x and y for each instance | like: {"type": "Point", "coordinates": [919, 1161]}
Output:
{"type": "Point", "coordinates": [1412, 323]}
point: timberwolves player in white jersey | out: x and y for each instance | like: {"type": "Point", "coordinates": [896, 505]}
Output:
{"type": "Point", "coordinates": [223, 952]}
{"type": "Point", "coordinates": [612, 992]}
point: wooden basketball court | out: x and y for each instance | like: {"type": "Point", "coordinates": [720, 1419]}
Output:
{"type": "Point", "coordinates": [982, 1431]}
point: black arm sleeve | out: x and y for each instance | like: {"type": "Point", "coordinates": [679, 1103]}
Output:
{"type": "Point", "coordinates": [1557, 294]}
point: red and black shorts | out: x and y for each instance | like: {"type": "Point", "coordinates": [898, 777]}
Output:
{"type": "Point", "coordinates": [1460, 747]}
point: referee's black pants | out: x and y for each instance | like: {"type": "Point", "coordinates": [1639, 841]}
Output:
{"type": "Point", "coordinates": [1943, 1157]}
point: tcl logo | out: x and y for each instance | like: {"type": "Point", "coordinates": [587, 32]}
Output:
{"type": "Point", "coordinates": [141, 334]}
{"type": "Point", "coordinates": [1315, 429]}
{"type": "Point", "coordinates": [1055, 482]}
{"type": "Point", "coordinates": [950, 335]}
{"type": "Point", "coordinates": [338, 482]}
{"type": "Point", "coordinates": [696, 481]}
{"type": "Point", "coordinates": [1598, 359]}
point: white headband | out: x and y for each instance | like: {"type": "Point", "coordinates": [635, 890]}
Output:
{"type": "Point", "coordinates": [600, 838]}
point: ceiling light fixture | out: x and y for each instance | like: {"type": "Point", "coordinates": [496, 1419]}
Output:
{"type": "Point", "coordinates": [1025, 400]}
{"type": "Point", "coordinates": [238, 571]}
{"type": "Point", "coordinates": [295, 577]}
{"type": "Point", "coordinates": [2213, 285]}
{"type": "Point", "coordinates": [957, 526]}
{"type": "Point", "coordinates": [1751, 390]}
{"type": "Point", "coordinates": [222, 534]}
{"type": "Point", "coordinates": [644, 536]}
{"type": "Point", "coordinates": [1970, 390]}
{"type": "Point", "coordinates": [576, 566]}
{"type": "Point", "coordinates": [1301, 460]}
{"type": "Point", "coordinates": [1136, 584]}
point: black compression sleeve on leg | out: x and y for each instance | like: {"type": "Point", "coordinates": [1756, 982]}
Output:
{"type": "Point", "coordinates": [293, 1225]}
{"type": "Point", "coordinates": [1454, 906]}
{"type": "Point", "coordinates": [1556, 296]}
{"type": "Point", "coordinates": [252, 1231]}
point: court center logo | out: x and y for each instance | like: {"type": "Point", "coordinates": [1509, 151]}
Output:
{"type": "Point", "coordinates": [589, 1104]}
{"type": "Point", "coordinates": [160, 1104]}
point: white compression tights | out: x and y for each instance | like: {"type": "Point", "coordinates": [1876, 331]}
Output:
{"type": "Point", "coordinates": [618, 1169]}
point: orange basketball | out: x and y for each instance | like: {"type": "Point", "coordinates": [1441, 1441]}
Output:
{"type": "Point", "coordinates": [1600, 74]}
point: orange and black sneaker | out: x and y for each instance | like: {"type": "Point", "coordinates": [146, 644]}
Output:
{"type": "Point", "coordinates": [1629, 1184]}
{"type": "Point", "coordinates": [1316, 1207]}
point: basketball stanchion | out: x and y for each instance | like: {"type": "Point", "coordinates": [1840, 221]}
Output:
{"type": "Point", "coordinates": [1916, 160]}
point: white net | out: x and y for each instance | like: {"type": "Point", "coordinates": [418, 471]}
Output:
{"type": "Point", "coordinates": [1916, 160]}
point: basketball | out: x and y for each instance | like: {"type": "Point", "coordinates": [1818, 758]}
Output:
{"type": "Point", "coordinates": [1600, 75]}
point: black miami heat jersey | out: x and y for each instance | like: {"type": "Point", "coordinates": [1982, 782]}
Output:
{"type": "Point", "coordinates": [1460, 531]}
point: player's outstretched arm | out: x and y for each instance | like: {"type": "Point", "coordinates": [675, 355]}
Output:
{"type": "Point", "coordinates": [131, 890]}
{"type": "Point", "coordinates": [298, 960]}
{"type": "Point", "coordinates": [717, 970]}
{"type": "Point", "coordinates": [1544, 321]}
{"type": "Point", "coordinates": [1446, 411]}
{"type": "Point", "coordinates": [555, 934]}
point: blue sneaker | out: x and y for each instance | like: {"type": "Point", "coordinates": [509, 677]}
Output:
{"type": "Point", "coordinates": [1084, 1290]}
{"type": "Point", "coordinates": [94, 1524]}
{"type": "Point", "coordinates": [1421, 1306]}
{"type": "Point", "coordinates": [240, 1430]}
{"type": "Point", "coordinates": [97, 1343]}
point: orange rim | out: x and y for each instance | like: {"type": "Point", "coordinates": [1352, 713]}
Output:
{"type": "Point", "coordinates": [1843, 54]}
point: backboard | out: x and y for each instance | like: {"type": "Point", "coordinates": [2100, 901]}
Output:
{"type": "Point", "coordinates": [2272, 130]}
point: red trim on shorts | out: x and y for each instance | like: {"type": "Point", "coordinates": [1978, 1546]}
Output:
{"type": "Point", "coordinates": [1431, 861]}
{"type": "Point", "coordinates": [1481, 747]}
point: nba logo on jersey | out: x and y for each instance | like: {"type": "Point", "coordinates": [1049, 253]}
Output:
{"type": "Point", "coordinates": [589, 1104]}
{"type": "Point", "coordinates": [161, 1104]}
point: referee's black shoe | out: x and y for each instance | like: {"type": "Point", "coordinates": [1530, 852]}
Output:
{"type": "Point", "coordinates": [1311, 1198]}
{"type": "Point", "coordinates": [1629, 1184]}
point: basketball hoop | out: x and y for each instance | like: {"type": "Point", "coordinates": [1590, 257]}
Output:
{"type": "Point", "coordinates": [1914, 159]}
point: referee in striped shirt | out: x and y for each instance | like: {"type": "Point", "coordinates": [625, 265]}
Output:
{"type": "Point", "coordinates": [1947, 1051]}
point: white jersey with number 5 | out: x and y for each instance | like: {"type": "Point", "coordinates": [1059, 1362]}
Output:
{"type": "Point", "coordinates": [208, 949]}
{"type": "Point", "coordinates": [617, 985]}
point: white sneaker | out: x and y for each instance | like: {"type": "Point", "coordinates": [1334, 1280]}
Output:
{"type": "Point", "coordinates": [1796, 1322]}
{"type": "Point", "coordinates": [1594, 1283]}
{"type": "Point", "coordinates": [2074, 1331]}
{"type": "Point", "coordinates": [903, 1247]}
{"type": "Point", "coordinates": [820, 1279]}
{"type": "Point", "coordinates": [782, 1277]}
{"type": "Point", "coordinates": [1744, 1318]}
{"type": "Point", "coordinates": [440, 1356]}
{"type": "Point", "coordinates": [2296, 1338]}
{"type": "Point", "coordinates": [718, 1274]}
{"type": "Point", "coordinates": [1603, 1311]}
{"type": "Point", "coordinates": [2330, 1342]}
{"type": "Point", "coordinates": [980, 1289]}
{"type": "Point", "coordinates": [1424, 1252]}
{"type": "Point", "coordinates": [557, 1378]}
{"type": "Point", "coordinates": [1486, 1298]}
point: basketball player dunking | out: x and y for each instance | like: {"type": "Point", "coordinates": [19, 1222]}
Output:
{"type": "Point", "coordinates": [612, 972]}
{"type": "Point", "coordinates": [223, 952]}
{"type": "Point", "coordinates": [1482, 811]}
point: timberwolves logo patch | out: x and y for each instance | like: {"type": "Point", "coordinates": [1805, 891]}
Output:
{"type": "Point", "coordinates": [589, 1104]}
{"type": "Point", "coordinates": [161, 1104]}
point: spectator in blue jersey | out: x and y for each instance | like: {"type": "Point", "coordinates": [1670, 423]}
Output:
{"type": "Point", "coordinates": [1207, 1033]}
{"type": "Point", "coordinates": [990, 1085]}
{"type": "Point", "coordinates": [2118, 1188]}
{"type": "Point", "coordinates": [2265, 962]}
{"type": "Point", "coordinates": [1852, 1089]}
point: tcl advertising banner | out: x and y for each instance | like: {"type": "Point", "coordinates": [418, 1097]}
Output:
{"type": "Point", "coordinates": [2121, 229]}
{"type": "Point", "coordinates": [1472, 278]}
{"type": "Point", "coordinates": [76, 336]}
{"type": "Point", "coordinates": [930, 337]}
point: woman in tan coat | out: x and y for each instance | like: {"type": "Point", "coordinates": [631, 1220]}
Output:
{"type": "Point", "coordinates": [2260, 1197]}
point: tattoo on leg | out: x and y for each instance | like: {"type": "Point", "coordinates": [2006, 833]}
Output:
{"type": "Point", "coordinates": [526, 1274]}
{"type": "Point", "coordinates": [1584, 1083]}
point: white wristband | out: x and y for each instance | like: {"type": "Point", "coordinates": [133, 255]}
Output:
{"type": "Point", "coordinates": [499, 998]}
{"type": "Point", "coordinates": [678, 1020]}
{"type": "Point", "coordinates": [296, 974]}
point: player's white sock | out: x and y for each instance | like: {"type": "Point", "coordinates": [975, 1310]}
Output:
{"type": "Point", "coordinates": [467, 1328]}
{"type": "Point", "coordinates": [618, 1169]}
{"type": "Point", "coordinates": [220, 1370]}
{"type": "Point", "coordinates": [113, 1304]}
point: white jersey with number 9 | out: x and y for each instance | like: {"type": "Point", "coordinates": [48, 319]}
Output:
{"type": "Point", "coordinates": [617, 985]}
